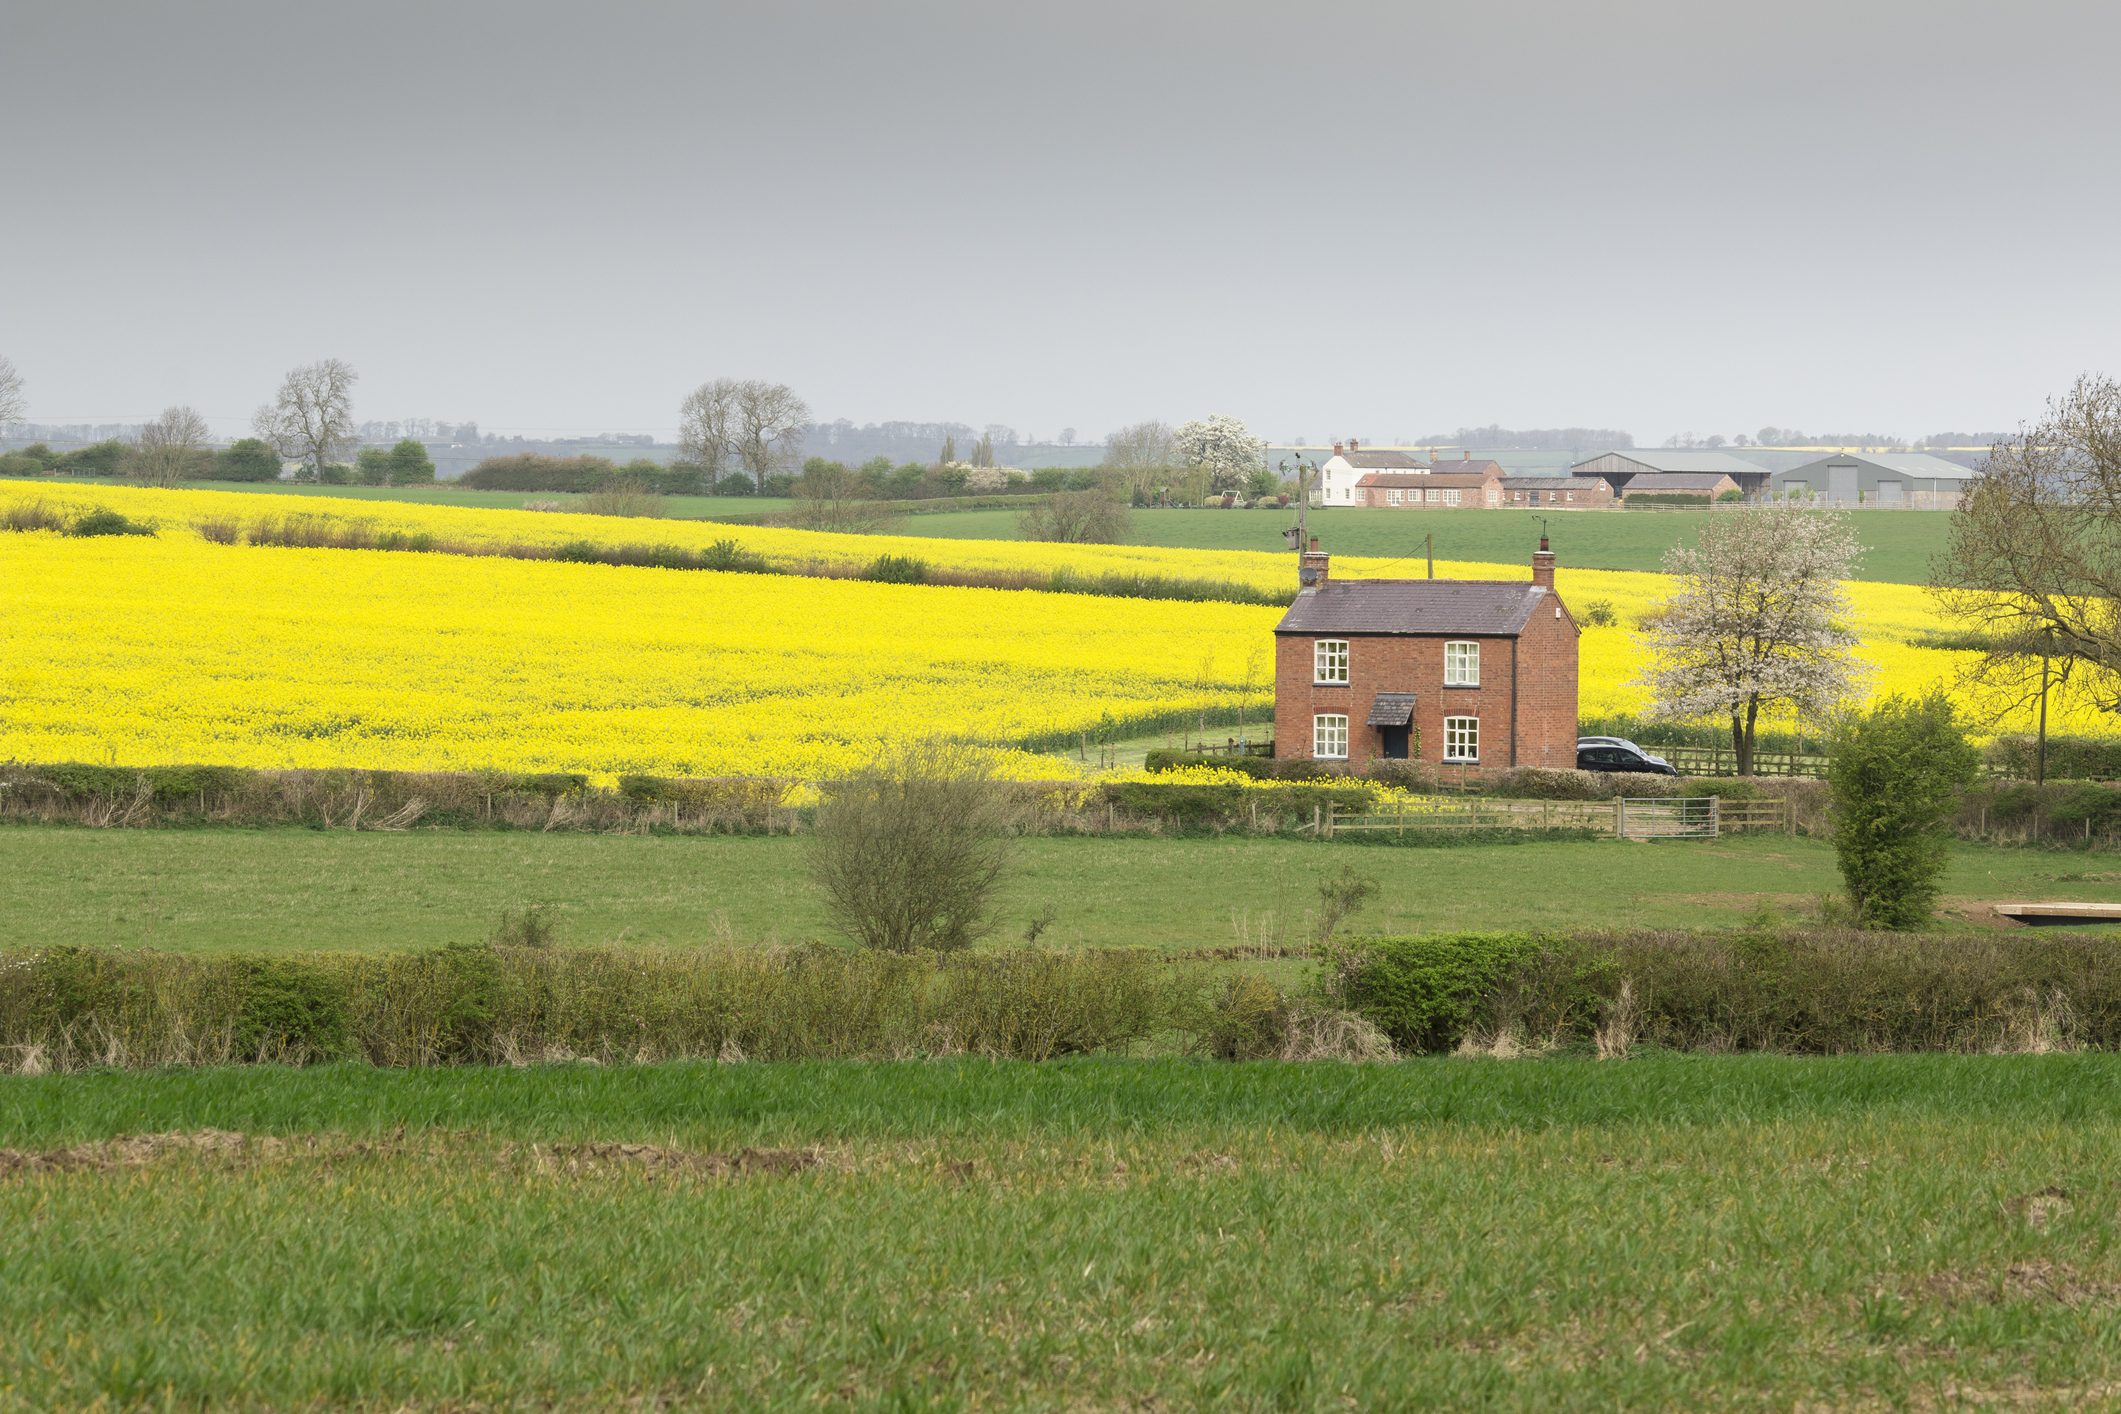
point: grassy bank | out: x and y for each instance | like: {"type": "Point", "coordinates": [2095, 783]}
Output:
{"type": "Point", "coordinates": [260, 890]}
{"type": "Point", "coordinates": [1660, 1233]}
{"type": "Point", "coordinates": [1897, 545]}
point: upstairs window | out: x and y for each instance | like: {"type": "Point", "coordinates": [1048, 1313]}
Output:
{"type": "Point", "coordinates": [1461, 665]}
{"type": "Point", "coordinates": [1329, 737]}
{"type": "Point", "coordinates": [1330, 660]}
{"type": "Point", "coordinates": [1461, 739]}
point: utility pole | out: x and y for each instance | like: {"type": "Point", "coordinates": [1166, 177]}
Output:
{"type": "Point", "coordinates": [1298, 535]}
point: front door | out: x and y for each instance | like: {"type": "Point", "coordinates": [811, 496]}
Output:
{"type": "Point", "coordinates": [1394, 745]}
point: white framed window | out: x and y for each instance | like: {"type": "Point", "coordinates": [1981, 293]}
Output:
{"type": "Point", "coordinates": [1329, 660]}
{"type": "Point", "coordinates": [1461, 738]}
{"type": "Point", "coordinates": [1461, 664]}
{"type": "Point", "coordinates": [1393, 496]}
{"type": "Point", "coordinates": [1329, 736]}
{"type": "Point", "coordinates": [1450, 496]}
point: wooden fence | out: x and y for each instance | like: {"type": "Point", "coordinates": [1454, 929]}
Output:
{"type": "Point", "coordinates": [1664, 817]}
{"type": "Point", "coordinates": [1723, 761]}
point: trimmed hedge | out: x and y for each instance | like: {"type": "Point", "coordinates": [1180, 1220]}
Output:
{"type": "Point", "coordinates": [69, 1008]}
{"type": "Point", "coordinates": [1820, 993]}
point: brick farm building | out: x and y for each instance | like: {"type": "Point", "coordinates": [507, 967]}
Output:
{"type": "Point", "coordinates": [1448, 671]}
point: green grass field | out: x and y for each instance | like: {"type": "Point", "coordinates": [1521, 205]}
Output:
{"type": "Point", "coordinates": [302, 889]}
{"type": "Point", "coordinates": [1897, 545]}
{"type": "Point", "coordinates": [1666, 1232]}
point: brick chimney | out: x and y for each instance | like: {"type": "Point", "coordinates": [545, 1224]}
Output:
{"type": "Point", "coordinates": [1465, 454]}
{"type": "Point", "coordinates": [1353, 445]}
{"type": "Point", "coordinates": [1311, 566]}
{"type": "Point", "coordinates": [1543, 564]}
{"type": "Point", "coordinates": [1338, 449]}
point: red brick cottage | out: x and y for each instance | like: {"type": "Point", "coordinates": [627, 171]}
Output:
{"type": "Point", "coordinates": [1459, 671]}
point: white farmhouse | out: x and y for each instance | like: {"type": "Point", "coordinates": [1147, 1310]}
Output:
{"type": "Point", "coordinates": [1349, 464]}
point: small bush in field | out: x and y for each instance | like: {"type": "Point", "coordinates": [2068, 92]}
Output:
{"type": "Point", "coordinates": [1896, 774]}
{"type": "Point", "coordinates": [1599, 614]}
{"type": "Point", "coordinates": [910, 850]}
{"type": "Point", "coordinates": [1424, 993]}
{"type": "Point", "coordinates": [108, 522]}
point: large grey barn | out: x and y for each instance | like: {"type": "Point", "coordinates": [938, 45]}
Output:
{"type": "Point", "coordinates": [1908, 480]}
{"type": "Point", "coordinates": [1619, 468]}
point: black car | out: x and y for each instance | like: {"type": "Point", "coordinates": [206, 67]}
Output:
{"type": "Point", "coordinates": [1612, 753]}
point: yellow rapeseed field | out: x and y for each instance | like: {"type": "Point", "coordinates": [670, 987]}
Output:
{"type": "Point", "coordinates": [174, 649]}
{"type": "Point", "coordinates": [144, 651]}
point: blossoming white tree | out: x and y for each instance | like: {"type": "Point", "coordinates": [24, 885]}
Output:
{"type": "Point", "coordinates": [1223, 448]}
{"type": "Point", "coordinates": [1758, 619]}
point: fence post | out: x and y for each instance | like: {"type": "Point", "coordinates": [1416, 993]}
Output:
{"type": "Point", "coordinates": [1620, 817]}
{"type": "Point", "coordinates": [1715, 817]}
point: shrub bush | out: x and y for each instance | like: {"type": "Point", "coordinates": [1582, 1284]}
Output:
{"type": "Point", "coordinates": [1897, 773]}
{"type": "Point", "coordinates": [1425, 993]}
{"type": "Point", "coordinates": [896, 569]}
{"type": "Point", "coordinates": [288, 1010]}
{"type": "Point", "coordinates": [108, 522]}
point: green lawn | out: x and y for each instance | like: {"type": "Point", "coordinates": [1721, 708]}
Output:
{"type": "Point", "coordinates": [1897, 545]}
{"type": "Point", "coordinates": [1666, 1232]}
{"type": "Point", "coordinates": [304, 889]}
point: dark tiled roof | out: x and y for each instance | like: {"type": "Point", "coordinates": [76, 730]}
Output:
{"type": "Point", "coordinates": [1382, 461]}
{"type": "Point", "coordinates": [1391, 709]}
{"type": "Point", "coordinates": [1441, 479]}
{"type": "Point", "coordinates": [1413, 606]}
{"type": "Point", "coordinates": [1550, 483]}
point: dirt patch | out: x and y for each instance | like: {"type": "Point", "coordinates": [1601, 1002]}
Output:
{"type": "Point", "coordinates": [658, 1158]}
{"type": "Point", "coordinates": [232, 1148]}
{"type": "Point", "coordinates": [136, 1150]}
{"type": "Point", "coordinates": [2023, 1281]}
{"type": "Point", "coordinates": [2039, 1209]}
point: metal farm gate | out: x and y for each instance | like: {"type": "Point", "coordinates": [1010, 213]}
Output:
{"type": "Point", "coordinates": [1685, 818]}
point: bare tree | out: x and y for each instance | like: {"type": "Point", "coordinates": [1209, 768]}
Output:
{"type": "Point", "coordinates": [312, 418]}
{"type": "Point", "coordinates": [828, 496]}
{"type": "Point", "coordinates": [768, 427]}
{"type": "Point", "coordinates": [910, 850]}
{"type": "Point", "coordinates": [1091, 517]}
{"type": "Point", "coordinates": [1142, 444]}
{"type": "Point", "coordinates": [2034, 560]}
{"type": "Point", "coordinates": [12, 404]}
{"type": "Point", "coordinates": [1758, 619]}
{"type": "Point", "coordinates": [706, 427]}
{"type": "Point", "coordinates": [169, 447]}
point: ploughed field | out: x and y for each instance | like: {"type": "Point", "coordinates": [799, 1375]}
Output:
{"type": "Point", "coordinates": [298, 890]}
{"type": "Point", "coordinates": [177, 649]}
{"type": "Point", "coordinates": [1668, 1231]}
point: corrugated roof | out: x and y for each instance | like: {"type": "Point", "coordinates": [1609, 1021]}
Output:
{"type": "Point", "coordinates": [1676, 459]}
{"type": "Point", "coordinates": [1391, 709]}
{"type": "Point", "coordinates": [1413, 606]}
{"type": "Point", "coordinates": [1920, 465]}
{"type": "Point", "coordinates": [1383, 461]}
{"type": "Point", "coordinates": [1676, 481]}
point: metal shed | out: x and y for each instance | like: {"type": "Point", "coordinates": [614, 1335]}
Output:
{"type": "Point", "coordinates": [1619, 468]}
{"type": "Point", "coordinates": [1887, 480]}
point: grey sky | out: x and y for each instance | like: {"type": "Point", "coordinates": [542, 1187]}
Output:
{"type": "Point", "coordinates": [1322, 217]}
